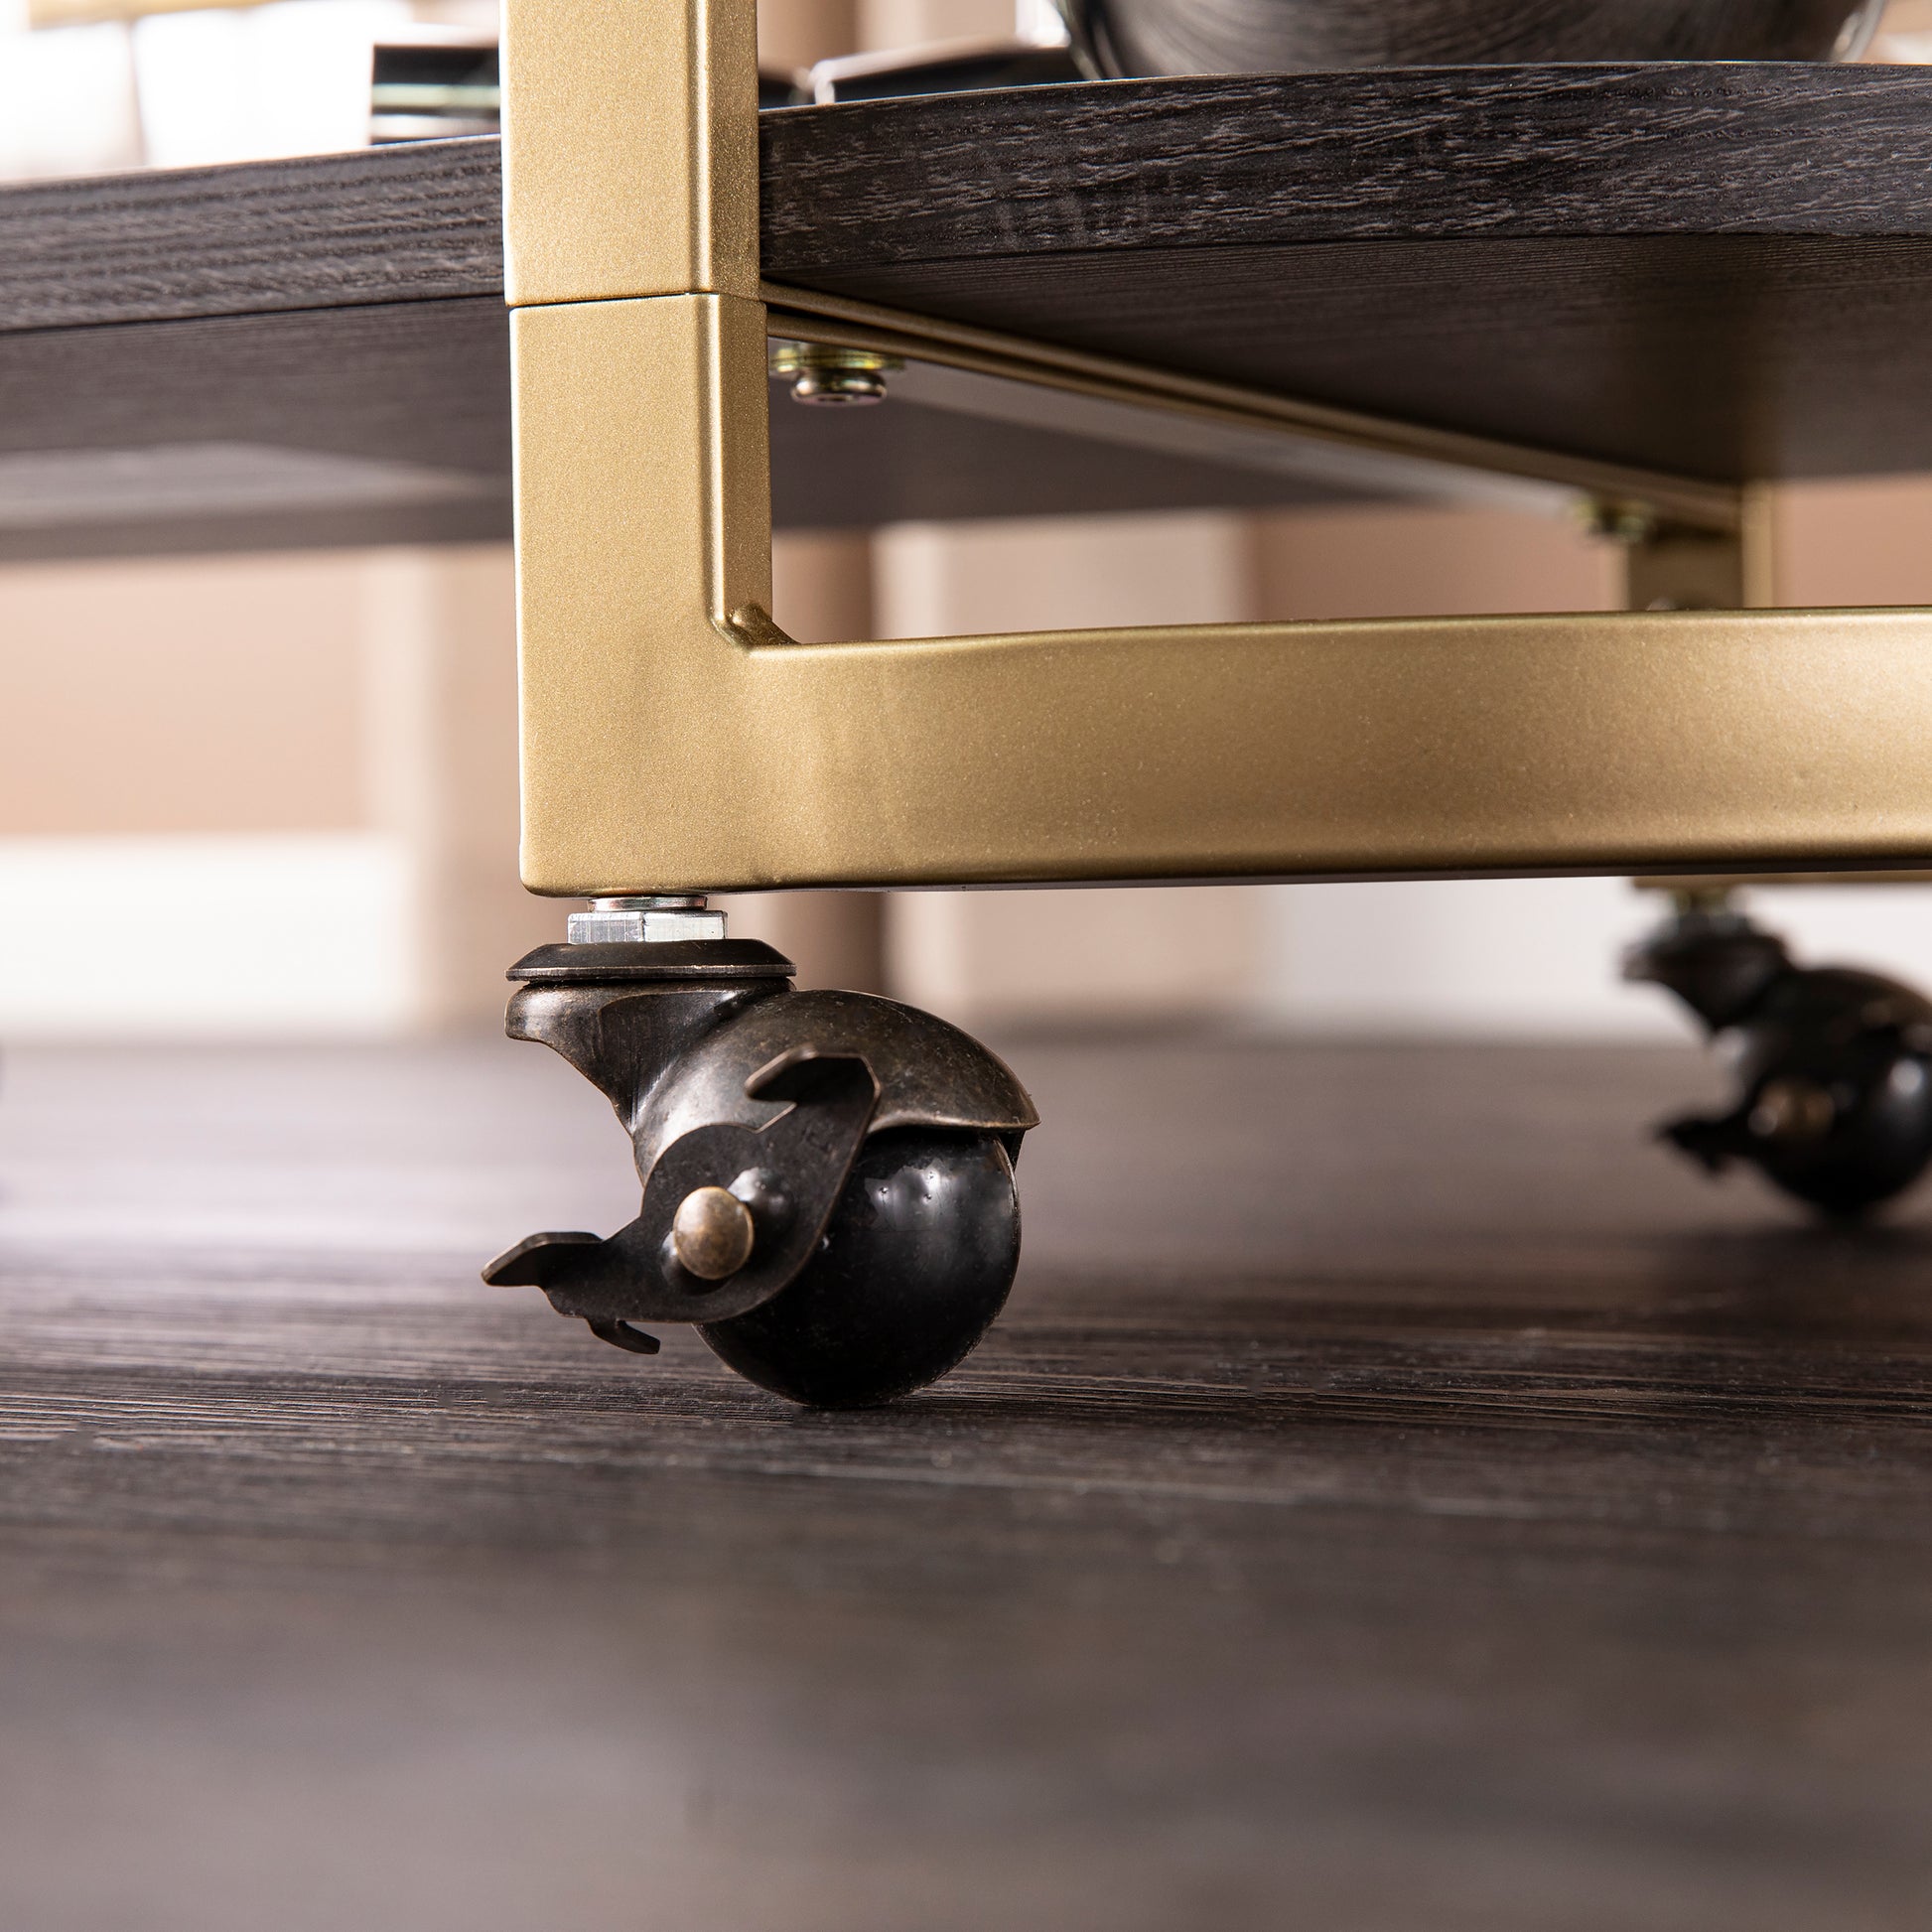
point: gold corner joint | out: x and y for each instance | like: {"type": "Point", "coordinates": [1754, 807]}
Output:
{"type": "Point", "coordinates": [629, 149]}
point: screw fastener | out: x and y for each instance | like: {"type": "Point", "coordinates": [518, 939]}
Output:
{"type": "Point", "coordinates": [819, 372]}
{"type": "Point", "coordinates": [630, 921]}
{"type": "Point", "coordinates": [1626, 523]}
{"type": "Point", "coordinates": [712, 1233]}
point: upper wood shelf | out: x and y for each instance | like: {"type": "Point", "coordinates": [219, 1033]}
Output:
{"type": "Point", "coordinates": [1724, 270]}
{"type": "Point", "coordinates": [1720, 270]}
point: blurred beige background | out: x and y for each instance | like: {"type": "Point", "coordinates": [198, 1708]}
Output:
{"type": "Point", "coordinates": [276, 794]}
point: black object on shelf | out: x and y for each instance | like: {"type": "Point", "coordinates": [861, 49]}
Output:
{"type": "Point", "coordinates": [433, 90]}
{"type": "Point", "coordinates": [438, 90]}
{"type": "Point", "coordinates": [1145, 38]}
{"type": "Point", "coordinates": [946, 67]}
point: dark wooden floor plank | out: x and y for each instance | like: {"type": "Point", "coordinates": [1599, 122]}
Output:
{"type": "Point", "coordinates": [1397, 1495]}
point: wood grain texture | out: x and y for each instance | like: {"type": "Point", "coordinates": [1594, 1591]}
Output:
{"type": "Point", "coordinates": [1397, 1495]}
{"type": "Point", "coordinates": [1446, 154]}
{"type": "Point", "coordinates": [1730, 357]}
{"type": "Point", "coordinates": [424, 381]}
{"type": "Point", "coordinates": [1460, 154]}
{"type": "Point", "coordinates": [1721, 270]}
{"type": "Point", "coordinates": [417, 222]}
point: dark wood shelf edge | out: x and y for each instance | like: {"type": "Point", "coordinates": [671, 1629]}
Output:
{"type": "Point", "coordinates": [1427, 154]}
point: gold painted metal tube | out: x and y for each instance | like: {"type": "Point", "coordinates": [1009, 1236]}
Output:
{"type": "Point", "coordinates": [630, 162]}
{"type": "Point", "coordinates": [674, 739]}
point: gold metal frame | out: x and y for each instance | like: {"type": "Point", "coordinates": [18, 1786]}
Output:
{"type": "Point", "coordinates": [675, 739]}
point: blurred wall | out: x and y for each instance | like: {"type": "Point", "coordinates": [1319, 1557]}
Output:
{"type": "Point", "coordinates": [263, 794]}
{"type": "Point", "coordinates": [260, 793]}
{"type": "Point", "coordinates": [277, 794]}
{"type": "Point", "coordinates": [1302, 955]}
{"type": "Point", "coordinates": [1509, 958]}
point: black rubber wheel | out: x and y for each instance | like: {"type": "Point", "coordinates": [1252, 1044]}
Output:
{"type": "Point", "coordinates": [1879, 1141]}
{"type": "Point", "coordinates": [1850, 1045]}
{"type": "Point", "coordinates": [914, 1266]}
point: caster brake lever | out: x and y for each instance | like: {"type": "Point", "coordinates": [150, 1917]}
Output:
{"type": "Point", "coordinates": [730, 1216]}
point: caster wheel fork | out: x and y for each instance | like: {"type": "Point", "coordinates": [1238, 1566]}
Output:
{"type": "Point", "coordinates": [828, 1191]}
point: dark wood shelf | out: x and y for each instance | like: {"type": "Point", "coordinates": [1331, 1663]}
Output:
{"type": "Point", "coordinates": [1720, 270]}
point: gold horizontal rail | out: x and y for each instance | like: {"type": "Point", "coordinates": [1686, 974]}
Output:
{"type": "Point", "coordinates": [674, 739]}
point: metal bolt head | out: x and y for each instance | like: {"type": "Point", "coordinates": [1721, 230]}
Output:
{"type": "Point", "coordinates": [712, 1233]}
{"type": "Point", "coordinates": [1626, 523]}
{"type": "Point", "coordinates": [840, 387]}
{"type": "Point", "coordinates": [822, 373]}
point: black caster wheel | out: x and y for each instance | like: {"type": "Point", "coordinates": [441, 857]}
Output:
{"type": "Point", "coordinates": [1834, 1066]}
{"type": "Point", "coordinates": [913, 1267]}
{"type": "Point", "coordinates": [828, 1176]}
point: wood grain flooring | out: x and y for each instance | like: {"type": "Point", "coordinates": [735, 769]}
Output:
{"type": "Point", "coordinates": [1397, 1498]}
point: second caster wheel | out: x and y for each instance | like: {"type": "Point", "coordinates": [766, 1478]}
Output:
{"type": "Point", "coordinates": [828, 1176]}
{"type": "Point", "coordinates": [1835, 1065]}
